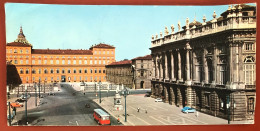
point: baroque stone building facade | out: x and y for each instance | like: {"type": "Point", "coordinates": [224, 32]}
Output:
{"type": "Point", "coordinates": [134, 74]}
{"type": "Point", "coordinates": [209, 66]}
{"type": "Point", "coordinates": [58, 65]}
{"type": "Point", "coordinates": [120, 72]}
{"type": "Point", "coordinates": [142, 67]}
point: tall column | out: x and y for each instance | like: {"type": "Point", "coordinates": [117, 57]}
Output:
{"type": "Point", "coordinates": [188, 62]}
{"type": "Point", "coordinates": [214, 65]}
{"type": "Point", "coordinates": [172, 67]}
{"type": "Point", "coordinates": [157, 67]}
{"type": "Point", "coordinates": [188, 81]}
{"type": "Point", "coordinates": [205, 66]}
{"type": "Point", "coordinates": [165, 66]}
{"type": "Point", "coordinates": [153, 68]}
{"type": "Point", "coordinates": [179, 65]}
{"type": "Point", "coordinates": [194, 71]}
{"type": "Point", "coordinates": [161, 69]}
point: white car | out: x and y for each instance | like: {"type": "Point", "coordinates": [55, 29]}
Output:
{"type": "Point", "coordinates": [158, 100]}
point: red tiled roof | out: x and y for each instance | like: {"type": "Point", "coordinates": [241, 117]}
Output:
{"type": "Point", "coordinates": [101, 45]}
{"type": "Point", "coordinates": [18, 44]}
{"type": "Point", "coordinates": [123, 62]}
{"type": "Point", "coordinates": [147, 57]}
{"type": "Point", "coordinates": [55, 51]}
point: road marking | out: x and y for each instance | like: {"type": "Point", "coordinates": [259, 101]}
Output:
{"type": "Point", "coordinates": [77, 123]}
{"type": "Point", "coordinates": [133, 108]}
{"type": "Point", "coordinates": [127, 121]}
{"type": "Point", "coordinates": [193, 119]}
{"type": "Point", "coordinates": [158, 120]}
{"type": "Point", "coordinates": [159, 107]}
{"type": "Point", "coordinates": [141, 120]}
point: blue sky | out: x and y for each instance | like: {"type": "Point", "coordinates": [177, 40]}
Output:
{"type": "Point", "coordinates": [128, 28]}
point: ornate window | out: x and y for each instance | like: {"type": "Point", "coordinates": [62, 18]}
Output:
{"type": "Point", "coordinates": [40, 71]}
{"type": "Point", "coordinates": [68, 70]}
{"type": "Point", "coordinates": [74, 71]}
{"type": "Point", "coordinates": [51, 71]}
{"type": "Point", "coordinates": [27, 71]}
{"type": "Point", "coordinates": [57, 71]}
{"type": "Point", "coordinates": [249, 70]}
{"type": "Point", "coordinates": [21, 71]}
{"type": "Point", "coordinates": [33, 71]}
{"type": "Point", "coordinates": [250, 105]}
{"type": "Point", "coordinates": [45, 71]}
{"type": "Point", "coordinates": [85, 71]}
{"type": "Point", "coordinates": [63, 71]}
{"type": "Point", "coordinates": [249, 46]}
{"type": "Point", "coordinates": [79, 70]}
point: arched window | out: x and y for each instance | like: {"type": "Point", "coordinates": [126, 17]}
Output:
{"type": "Point", "coordinates": [33, 71]}
{"type": "Point", "coordinates": [45, 71]}
{"type": "Point", "coordinates": [51, 71]}
{"type": "Point", "coordinates": [21, 71]}
{"type": "Point", "coordinates": [27, 71]}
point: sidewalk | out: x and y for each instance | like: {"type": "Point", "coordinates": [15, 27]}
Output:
{"type": "Point", "coordinates": [158, 113]}
{"type": "Point", "coordinates": [30, 105]}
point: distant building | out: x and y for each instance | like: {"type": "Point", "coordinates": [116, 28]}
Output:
{"type": "Point", "coordinates": [142, 67]}
{"type": "Point", "coordinates": [134, 74]}
{"type": "Point", "coordinates": [120, 73]}
{"type": "Point", "coordinates": [209, 66]}
{"type": "Point", "coordinates": [59, 65]}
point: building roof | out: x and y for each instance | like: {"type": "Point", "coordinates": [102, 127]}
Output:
{"type": "Point", "coordinates": [18, 44]}
{"type": "Point", "coordinates": [101, 45]}
{"type": "Point", "coordinates": [123, 62]}
{"type": "Point", "coordinates": [61, 52]}
{"type": "Point", "coordinates": [147, 57]}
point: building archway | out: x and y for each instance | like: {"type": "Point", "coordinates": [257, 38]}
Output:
{"type": "Point", "coordinates": [142, 84]}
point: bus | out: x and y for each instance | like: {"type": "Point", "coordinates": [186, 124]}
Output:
{"type": "Point", "coordinates": [101, 117]}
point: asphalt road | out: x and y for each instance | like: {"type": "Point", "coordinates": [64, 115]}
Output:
{"type": "Point", "coordinates": [66, 107]}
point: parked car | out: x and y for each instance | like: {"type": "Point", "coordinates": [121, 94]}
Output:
{"type": "Point", "coordinates": [82, 84]}
{"type": "Point", "coordinates": [158, 100]}
{"type": "Point", "coordinates": [19, 100]}
{"type": "Point", "coordinates": [24, 97]}
{"type": "Point", "coordinates": [148, 94]}
{"type": "Point", "coordinates": [8, 117]}
{"type": "Point", "coordinates": [51, 93]}
{"type": "Point", "coordinates": [16, 104]}
{"type": "Point", "coordinates": [187, 110]}
{"type": "Point", "coordinates": [87, 106]}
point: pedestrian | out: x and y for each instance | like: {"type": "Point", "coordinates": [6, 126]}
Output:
{"type": "Point", "coordinates": [138, 109]}
{"type": "Point", "coordinates": [14, 111]}
{"type": "Point", "coordinates": [146, 111]}
{"type": "Point", "coordinates": [197, 114]}
{"type": "Point", "coordinates": [118, 121]}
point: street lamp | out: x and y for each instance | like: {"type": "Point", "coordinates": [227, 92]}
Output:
{"type": "Point", "coordinates": [25, 105]}
{"type": "Point", "coordinates": [39, 85]}
{"type": "Point", "coordinates": [100, 84]}
{"type": "Point", "coordinates": [228, 109]}
{"type": "Point", "coordinates": [9, 116]}
{"type": "Point", "coordinates": [34, 84]}
{"type": "Point", "coordinates": [125, 92]}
